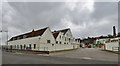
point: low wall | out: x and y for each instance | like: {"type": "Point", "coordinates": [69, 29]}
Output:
{"type": "Point", "coordinates": [56, 47]}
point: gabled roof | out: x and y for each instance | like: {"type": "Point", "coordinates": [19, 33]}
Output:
{"type": "Point", "coordinates": [63, 31]}
{"type": "Point", "coordinates": [55, 33]}
{"type": "Point", "coordinates": [30, 34]}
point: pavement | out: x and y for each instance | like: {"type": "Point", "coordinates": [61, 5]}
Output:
{"type": "Point", "coordinates": [79, 56]}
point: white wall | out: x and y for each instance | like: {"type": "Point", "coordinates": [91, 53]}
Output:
{"type": "Point", "coordinates": [55, 47]}
{"type": "Point", "coordinates": [47, 36]}
{"type": "Point", "coordinates": [110, 46]}
{"type": "Point", "coordinates": [26, 41]}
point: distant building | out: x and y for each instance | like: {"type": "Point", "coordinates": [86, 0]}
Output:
{"type": "Point", "coordinates": [88, 42]}
{"type": "Point", "coordinates": [112, 44]}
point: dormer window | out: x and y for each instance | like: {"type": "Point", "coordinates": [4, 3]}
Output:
{"type": "Point", "coordinates": [18, 37]}
{"type": "Point", "coordinates": [24, 36]}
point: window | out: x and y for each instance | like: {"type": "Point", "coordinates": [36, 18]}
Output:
{"type": "Point", "coordinates": [30, 46]}
{"type": "Point", "coordinates": [65, 38]}
{"type": "Point", "coordinates": [10, 46]}
{"type": "Point", "coordinates": [52, 44]}
{"type": "Point", "coordinates": [60, 37]}
{"type": "Point", "coordinates": [24, 36]}
{"type": "Point", "coordinates": [15, 38]}
{"type": "Point", "coordinates": [48, 41]}
{"type": "Point", "coordinates": [60, 42]}
{"type": "Point", "coordinates": [24, 46]}
{"type": "Point", "coordinates": [69, 39]}
{"type": "Point", "coordinates": [34, 46]}
{"type": "Point", "coordinates": [64, 43]}
{"type": "Point", "coordinates": [56, 42]}
{"type": "Point", "coordinates": [21, 47]}
{"type": "Point", "coordinates": [67, 34]}
{"type": "Point", "coordinates": [18, 38]}
{"type": "Point", "coordinates": [17, 46]}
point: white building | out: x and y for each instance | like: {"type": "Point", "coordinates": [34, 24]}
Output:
{"type": "Point", "coordinates": [112, 44]}
{"type": "Point", "coordinates": [40, 40]}
{"type": "Point", "coordinates": [43, 40]}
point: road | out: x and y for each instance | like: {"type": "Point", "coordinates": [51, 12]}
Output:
{"type": "Point", "coordinates": [80, 56]}
{"type": "Point", "coordinates": [90, 53]}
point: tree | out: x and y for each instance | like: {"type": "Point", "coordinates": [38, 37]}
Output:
{"type": "Point", "coordinates": [118, 34]}
{"type": "Point", "coordinates": [109, 35]}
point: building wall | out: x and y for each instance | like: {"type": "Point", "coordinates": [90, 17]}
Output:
{"type": "Point", "coordinates": [26, 41]}
{"type": "Point", "coordinates": [64, 39]}
{"type": "Point", "coordinates": [113, 45]}
{"type": "Point", "coordinates": [67, 41]}
{"type": "Point", "coordinates": [55, 47]}
{"type": "Point", "coordinates": [47, 36]}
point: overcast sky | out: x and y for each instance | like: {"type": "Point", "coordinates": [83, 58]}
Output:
{"type": "Point", "coordinates": [83, 18]}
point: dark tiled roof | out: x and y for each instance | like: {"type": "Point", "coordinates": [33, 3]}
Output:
{"type": "Point", "coordinates": [55, 33]}
{"type": "Point", "coordinates": [63, 31]}
{"type": "Point", "coordinates": [30, 34]}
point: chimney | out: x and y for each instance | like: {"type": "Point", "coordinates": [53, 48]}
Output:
{"type": "Point", "coordinates": [114, 31]}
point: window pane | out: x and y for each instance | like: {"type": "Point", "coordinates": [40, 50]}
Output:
{"type": "Point", "coordinates": [48, 41]}
{"type": "Point", "coordinates": [34, 46]}
{"type": "Point", "coordinates": [56, 42]}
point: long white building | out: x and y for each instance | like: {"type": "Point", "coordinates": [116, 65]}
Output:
{"type": "Point", "coordinates": [44, 40]}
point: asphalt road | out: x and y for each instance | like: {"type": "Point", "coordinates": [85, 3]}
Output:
{"type": "Point", "coordinates": [55, 58]}
{"type": "Point", "coordinates": [88, 53]}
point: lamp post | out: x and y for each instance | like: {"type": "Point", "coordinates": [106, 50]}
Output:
{"type": "Point", "coordinates": [7, 37]}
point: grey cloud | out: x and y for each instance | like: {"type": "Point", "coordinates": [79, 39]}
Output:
{"type": "Point", "coordinates": [119, 16]}
{"type": "Point", "coordinates": [105, 9]}
{"type": "Point", "coordinates": [42, 14]}
{"type": "Point", "coordinates": [37, 15]}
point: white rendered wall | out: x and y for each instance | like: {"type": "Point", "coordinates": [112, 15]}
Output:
{"type": "Point", "coordinates": [47, 36]}
{"type": "Point", "coordinates": [26, 41]}
{"type": "Point", "coordinates": [110, 46]}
